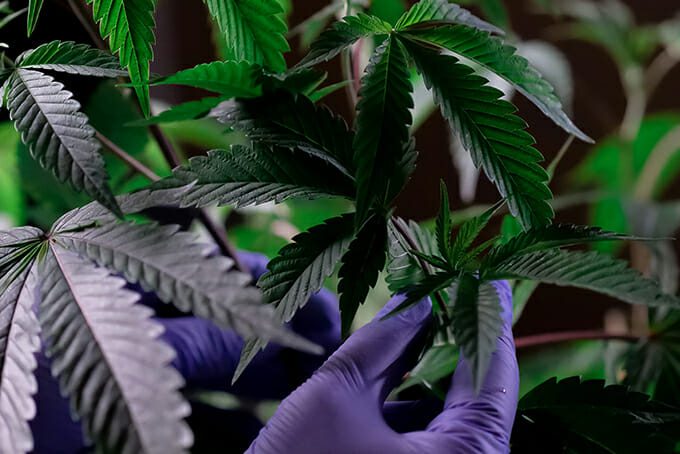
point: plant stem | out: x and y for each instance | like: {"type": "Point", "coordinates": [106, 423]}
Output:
{"type": "Point", "coordinates": [80, 11]}
{"type": "Point", "coordinates": [425, 267]}
{"type": "Point", "coordinates": [127, 158]}
{"type": "Point", "coordinates": [560, 154]}
{"type": "Point", "coordinates": [658, 68]}
{"type": "Point", "coordinates": [538, 340]}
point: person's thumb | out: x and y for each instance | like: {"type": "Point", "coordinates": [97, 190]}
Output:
{"type": "Point", "coordinates": [378, 354]}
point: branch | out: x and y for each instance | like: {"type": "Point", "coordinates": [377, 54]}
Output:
{"type": "Point", "coordinates": [127, 158]}
{"type": "Point", "coordinates": [539, 340]}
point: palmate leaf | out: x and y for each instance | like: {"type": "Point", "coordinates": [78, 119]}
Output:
{"type": "Point", "coordinates": [107, 356]}
{"type": "Point", "coordinates": [251, 176]}
{"type": "Point", "coordinates": [288, 120]}
{"type": "Point", "coordinates": [383, 119]}
{"type": "Point", "coordinates": [15, 244]}
{"type": "Point", "coordinates": [129, 27]}
{"type": "Point", "coordinates": [361, 264]}
{"type": "Point", "coordinates": [72, 58]}
{"type": "Point", "coordinates": [58, 134]}
{"type": "Point", "coordinates": [548, 237]}
{"type": "Point", "coordinates": [492, 54]}
{"type": "Point", "coordinates": [254, 31]}
{"type": "Point", "coordinates": [19, 341]}
{"type": "Point", "coordinates": [489, 130]}
{"type": "Point", "coordinates": [34, 7]}
{"type": "Point", "coordinates": [299, 271]}
{"type": "Point", "coordinates": [229, 78]}
{"type": "Point", "coordinates": [343, 34]}
{"type": "Point", "coordinates": [441, 11]}
{"type": "Point", "coordinates": [176, 268]}
{"type": "Point", "coordinates": [476, 319]}
{"type": "Point", "coordinates": [590, 270]}
{"type": "Point", "coordinates": [468, 233]}
{"type": "Point", "coordinates": [588, 417]}
{"type": "Point", "coordinates": [653, 364]}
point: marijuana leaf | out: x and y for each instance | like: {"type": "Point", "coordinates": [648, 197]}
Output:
{"type": "Point", "coordinates": [231, 79]}
{"type": "Point", "coordinates": [590, 270]}
{"type": "Point", "coordinates": [443, 223]}
{"type": "Point", "coordinates": [34, 7]}
{"type": "Point", "coordinates": [299, 271]}
{"type": "Point", "coordinates": [441, 11]}
{"type": "Point", "coordinates": [91, 323]}
{"type": "Point", "coordinates": [129, 25]}
{"type": "Point", "coordinates": [245, 176]}
{"type": "Point", "coordinates": [494, 136]}
{"type": "Point", "coordinates": [343, 34]}
{"type": "Point", "coordinates": [72, 58]}
{"type": "Point", "coordinates": [191, 110]}
{"type": "Point", "coordinates": [568, 415]}
{"type": "Point", "coordinates": [57, 134]}
{"type": "Point", "coordinates": [176, 268]}
{"type": "Point", "coordinates": [19, 341]}
{"type": "Point", "coordinates": [477, 322]}
{"type": "Point", "coordinates": [491, 53]}
{"type": "Point", "coordinates": [254, 31]}
{"type": "Point", "coordinates": [547, 237]}
{"type": "Point", "coordinates": [362, 262]}
{"type": "Point", "coordinates": [381, 143]}
{"type": "Point", "coordinates": [300, 268]}
{"type": "Point", "coordinates": [287, 120]}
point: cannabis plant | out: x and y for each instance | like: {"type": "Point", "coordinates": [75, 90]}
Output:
{"type": "Point", "coordinates": [63, 288]}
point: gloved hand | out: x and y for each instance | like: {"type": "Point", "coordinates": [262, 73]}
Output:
{"type": "Point", "coordinates": [206, 356]}
{"type": "Point", "coordinates": [341, 408]}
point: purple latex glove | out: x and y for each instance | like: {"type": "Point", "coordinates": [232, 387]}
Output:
{"type": "Point", "coordinates": [341, 408]}
{"type": "Point", "coordinates": [206, 356]}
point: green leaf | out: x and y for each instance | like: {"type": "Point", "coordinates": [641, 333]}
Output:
{"type": "Point", "coordinates": [34, 7]}
{"type": "Point", "coordinates": [57, 134]}
{"type": "Point", "coordinates": [468, 233]}
{"type": "Point", "coordinates": [254, 31]}
{"type": "Point", "coordinates": [72, 58]}
{"type": "Point", "coordinates": [403, 268]}
{"type": "Point", "coordinates": [437, 363]}
{"type": "Point", "coordinates": [491, 132]}
{"type": "Point", "coordinates": [653, 364]}
{"type": "Point", "coordinates": [548, 237]}
{"type": "Point", "coordinates": [569, 416]}
{"type": "Point", "coordinates": [251, 176]}
{"type": "Point", "coordinates": [590, 270]}
{"type": "Point", "coordinates": [343, 34]}
{"type": "Point", "coordinates": [19, 341]}
{"type": "Point", "coordinates": [287, 120]}
{"type": "Point", "coordinates": [231, 79]}
{"type": "Point", "coordinates": [91, 323]}
{"type": "Point", "coordinates": [476, 319]}
{"type": "Point", "coordinates": [492, 54]}
{"type": "Point", "coordinates": [382, 138]}
{"type": "Point", "coordinates": [191, 110]}
{"type": "Point", "coordinates": [427, 286]}
{"type": "Point", "coordinates": [301, 267]}
{"type": "Point", "coordinates": [430, 12]}
{"type": "Point", "coordinates": [129, 27]}
{"type": "Point", "coordinates": [443, 222]}
{"type": "Point", "coordinates": [174, 266]}
{"type": "Point", "coordinates": [361, 264]}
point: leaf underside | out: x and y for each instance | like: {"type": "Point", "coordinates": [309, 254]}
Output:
{"type": "Point", "coordinates": [69, 57]}
{"type": "Point", "coordinates": [92, 324]}
{"type": "Point", "coordinates": [57, 134]}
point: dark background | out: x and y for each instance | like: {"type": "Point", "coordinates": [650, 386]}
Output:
{"type": "Point", "coordinates": [184, 40]}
